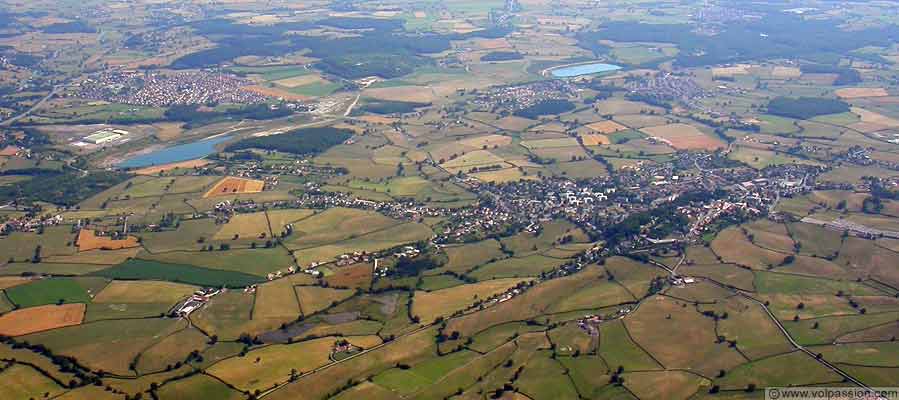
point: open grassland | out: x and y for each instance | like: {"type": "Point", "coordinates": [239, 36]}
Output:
{"type": "Point", "coordinates": [259, 261]}
{"type": "Point", "coordinates": [441, 303]}
{"type": "Point", "coordinates": [790, 369]}
{"type": "Point", "coordinates": [314, 299]}
{"type": "Point", "coordinates": [407, 349]}
{"type": "Point", "coordinates": [246, 226]}
{"type": "Point", "coordinates": [107, 345]}
{"type": "Point", "coordinates": [24, 382]}
{"type": "Point", "coordinates": [272, 364]}
{"type": "Point", "coordinates": [531, 303]}
{"type": "Point", "coordinates": [151, 270]}
{"type": "Point", "coordinates": [171, 349]}
{"type": "Point", "coordinates": [527, 266]}
{"type": "Point", "coordinates": [734, 247]}
{"type": "Point", "coordinates": [276, 299]}
{"type": "Point", "coordinates": [665, 338]}
{"type": "Point", "coordinates": [40, 318]}
{"type": "Point", "coordinates": [664, 384]}
{"type": "Point", "coordinates": [144, 292]}
{"type": "Point", "coordinates": [198, 386]}
{"type": "Point", "coordinates": [827, 329]}
{"type": "Point", "coordinates": [48, 291]}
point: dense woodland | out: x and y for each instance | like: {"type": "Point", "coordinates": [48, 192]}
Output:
{"type": "Point", "coordinates": [299, 141]}
{"type": "Point", "coordinates": [806, 107]}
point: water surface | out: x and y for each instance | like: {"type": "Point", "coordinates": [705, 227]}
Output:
{"type": "Point", "coordinates": [583, 69]}
{"type": "Point", "coordinates": [181, 152]}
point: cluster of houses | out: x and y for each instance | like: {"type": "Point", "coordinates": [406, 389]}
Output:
{"type": "Point", "coordinates": [156, 89]}
{"type": "Point", "coordinates": [195, 301]}
{"type": "Point", "coordinates": [28, 224]}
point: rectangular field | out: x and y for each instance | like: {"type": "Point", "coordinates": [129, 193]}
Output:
{"type": "Point", "coordinates": [232, 185]}
{"type": "Point", "coordinates": [41, 318]}
{"type": "Point", "coordinates": [683, 136]}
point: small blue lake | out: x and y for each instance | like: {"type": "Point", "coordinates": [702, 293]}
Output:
{"type": "Point", "coordinates": [181, 152]}
{"type": "Point", "coordinates": [583, 69]}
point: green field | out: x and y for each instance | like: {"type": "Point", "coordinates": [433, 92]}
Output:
{"type": "Point", "coordinates": [145, 269]}
{"type": "Point", "coordinates": [48, 291]}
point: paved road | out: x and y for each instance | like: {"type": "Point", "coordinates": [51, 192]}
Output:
{"type": "Point", "coordinates": [37, 105]}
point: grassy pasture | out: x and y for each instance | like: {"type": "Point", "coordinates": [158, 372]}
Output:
{"type": "Point", "coordinates": [107, 345]}
{"type": "Point", "coordinates": [438, 282]}
{"type": "Point", "coordinates": [170, 350]}
{"type": "Point", "coordinates": [276, 300]}
{"type": "Point", "coordinates": [830, 328]}
{"type": "Point", "coordinates": [246, 226]}
{"type": "Point", "coordinates": [336, 224]}
{"type": "Point", "coordinates": [496, 336]}
{"type": "Point", "coordinates": [198, 386]}
{"type": "Point", "coordinates": [545, 378]}
{"type": "Point", "coordinates": [790, 369]}
{"type": "Point", "coordinates": [734, 247]}
{"type": "Point", "coordinates": [430, 305]}
{"type": "Point", "coordinates": [531, 265]}
{"type": "Point", "coordinates": [274, 363]}
{"type": "Point", "coordinates": [408, 381]}
{"type": "Point", "coordinates": [48, 291]}
{"type": "Point", "coordinates": [24, 382]}
{"type": "Point", "coordinates": [149, 270]}
{"type": "Point", "coordinates": [618, 349]}
{"type": "Point", "coordinates": [664, 384]}
{"type": "Point", "coordinates": [868, 354]}
{"type": "Point", "coordinates": [144, 292]}
{"type": "Point", "coordinates": [528, 305]}
{"type": "Point", "coordinates": [314, 299]}
{"type": "Point", "coordinates": [407, 349]}
{"type": "Point", "coordinates": [258, 262]}
{"type": "Point", "coordinates": [664, 337]}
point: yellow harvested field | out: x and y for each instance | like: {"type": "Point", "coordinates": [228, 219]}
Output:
{"type": "Point", "coordinates": [298, 81]}
{"type": "Point", "coordinates": [786, 72]}
{"type": "Point", "coordinates": [595, 140]}
{"type": "Point", "coordinates": [607, 127]}
{"type": "Point", "coordinates": [41, 318]}
{"type": "Point", "coordinates": [441, 303]}
{"type": "Point", "coordinates": [154, 170]}
{"type": "Point", "coordinates": [410, 93]}
{"type": "Point", "coordinates": [683, 136]}
{"type": "Point", "coordinates": [88, 240]}
{"type": "Point", "coordinates": [232, 185]}
{"type": "Point", "coordinates": [855, 93]}
{"type": "Point", "coordinates": [731, 71]}
{"type": "Point", "coordinates": [488, 140]}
